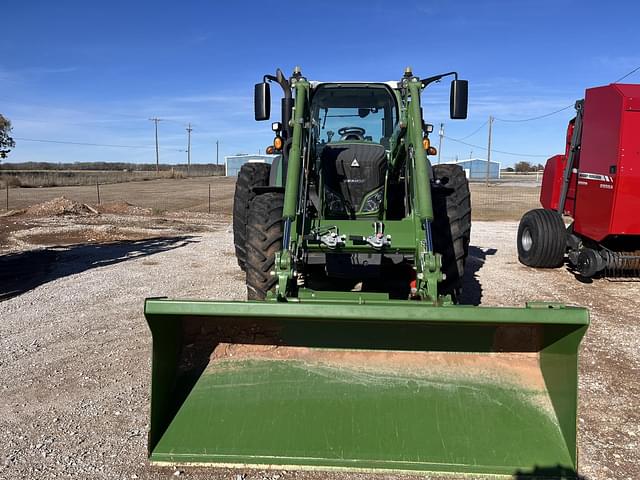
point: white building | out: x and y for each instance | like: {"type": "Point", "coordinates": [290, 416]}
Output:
{"type": "Point", "coordinates": [233, 163]}
{"type": "Point", "coordinates": [476, 168]}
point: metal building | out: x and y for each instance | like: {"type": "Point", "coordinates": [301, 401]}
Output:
{"type": "Point", "coordinates": [476, 168]}
{"type": "Point", "coordinates": [233, 163]}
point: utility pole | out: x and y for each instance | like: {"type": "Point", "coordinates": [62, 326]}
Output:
{"type": "Point", "coordinates": [156, 120]}
{"type": "Point", "coordinates": [489, 150]}
{"type": "Point", "coordinates": [189, 129]}
{"type": "Point", "coordinates": [217, 151]}
{"type": "Point", "coordinates": [441, 133]}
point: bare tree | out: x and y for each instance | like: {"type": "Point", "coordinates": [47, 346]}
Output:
{"type": "Point", "coordinates": [6, 141]}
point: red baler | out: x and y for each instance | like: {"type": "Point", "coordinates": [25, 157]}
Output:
{"type": "Point", "coordinates": [596, 182]}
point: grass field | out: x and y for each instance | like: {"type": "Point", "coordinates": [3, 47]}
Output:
{"type": "Point", "coordinates": [502, 201]}
{"type": "Point", "coordinates": [190, 194]}
{"type": "Point", "coordinates": [493, 202]}
{"type": "Point", "coordinates": [62, 178]}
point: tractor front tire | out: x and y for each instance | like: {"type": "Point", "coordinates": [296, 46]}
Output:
{"type": "Point", "coordinates": [542, 239]}
{"type": "Point", "coordinates": [264, 239]}
{"type": "Point", "coordinates": [451, 227]}
{"type": "Point", "coordinates": [250, 175]}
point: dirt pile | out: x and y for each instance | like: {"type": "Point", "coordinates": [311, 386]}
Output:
{"type": "Point", "coordinates": [122, 207]}
{"type": "Point", "coordinates": [57, 206]}
{"type": "Point", "coordinates": [65, 206]}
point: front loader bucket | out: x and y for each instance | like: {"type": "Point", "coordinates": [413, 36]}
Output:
{"type": "Point", "coordinates": [390, 385]}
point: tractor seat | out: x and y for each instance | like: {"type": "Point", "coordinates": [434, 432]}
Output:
{"type": "Point", "coordinates": [354, 178]}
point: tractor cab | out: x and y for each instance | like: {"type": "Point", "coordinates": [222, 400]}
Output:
{"type": "Point", "coordinates": [351, 128]}
{"type": "Point", "coordinates": [353, 112]}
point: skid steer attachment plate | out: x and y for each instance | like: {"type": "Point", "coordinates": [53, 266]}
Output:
{"type": "Point", "coordinates": [389, 385]}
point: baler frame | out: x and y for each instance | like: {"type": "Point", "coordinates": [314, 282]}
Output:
{"type": "Point", "coordinates": [599, 171]}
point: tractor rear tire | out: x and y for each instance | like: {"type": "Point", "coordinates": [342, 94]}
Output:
{"type": "Point", "coordinates": [542, 239]}
{"type": "Point", "coordinates": [451, 227]}
{"type": "Point", "coordinates": [264, 239]}
{"type": "Point", "coordinates": [250, 175]}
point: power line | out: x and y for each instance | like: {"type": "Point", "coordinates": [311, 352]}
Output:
{"type": "Point", "coordinates": [534, 118]}
{"type": "Point", "coordinates": [626, 75]}
{"type": "Point", "coordinates": [475, 131]}
{"type": "Point", "coordinates": [105, 114]}
{"type": "Point", "coordinates": [563, 108]}
{"type": "Point", "coordinates": [484, 147]}
{"type": "Point", "coordinates": [74, 110]}
{"type": "Point", "coordinates": [80, 143]}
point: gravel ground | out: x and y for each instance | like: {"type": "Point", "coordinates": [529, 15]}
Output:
{"type": "Point", "coordinates": [75, 353]}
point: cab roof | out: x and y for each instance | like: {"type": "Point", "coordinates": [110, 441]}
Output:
{"type": "Point", "coordinates": [391, 83]}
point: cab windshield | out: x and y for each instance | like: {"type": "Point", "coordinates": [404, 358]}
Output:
{"type": "Point", "coordinates": [358, 113]}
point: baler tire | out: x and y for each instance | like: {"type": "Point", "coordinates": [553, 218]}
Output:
{"type": "Point", "coordinates": [542, 239]}
{"type": "Point", "coordinates": [264, 239]}
{"type": "Point", "coordinates": [250, 175]}
{"type": "Point", "coordinates": [451, 227]}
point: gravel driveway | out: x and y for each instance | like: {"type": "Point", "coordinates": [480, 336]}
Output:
{"type": "Point", "coordinates": [75, 353]}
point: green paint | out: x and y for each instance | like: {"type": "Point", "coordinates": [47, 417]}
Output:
{"type": "Point", "coordinates": [295, 155]}
{"type": "Point", "coordinates": [314, 414]}
{"type": "Point", "coordinates": [280, 412]}
{"type": "Point", "coordinates": [424, 207]}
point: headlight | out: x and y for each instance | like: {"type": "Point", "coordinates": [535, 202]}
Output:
{"type": "Point", "coordinates": [334, 204]}
{"type": "Point", "coordinates": [373, 202]}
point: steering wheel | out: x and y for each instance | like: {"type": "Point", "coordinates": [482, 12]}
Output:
{"type": "Point", "coordinates": [351, 133]}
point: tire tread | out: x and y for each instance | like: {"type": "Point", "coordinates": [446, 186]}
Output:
{"type": "Point", "coordinates": [549, 239]}
{"type": "Point", "coordinates": [264, 239]}
{"type": "Point", "coordinates": [452, 225]}
{"type": "Point", "coordinates": [250, 175]}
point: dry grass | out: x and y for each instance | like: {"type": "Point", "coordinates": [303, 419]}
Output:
{"type": "Point", "coordinates": [65, 178]}
{"type": "Point", "coordinates": [495, 202]}
{"type": "Point", "coordinates": [166, 194]}
{"type": "Point", "coordinates": [502, 202]}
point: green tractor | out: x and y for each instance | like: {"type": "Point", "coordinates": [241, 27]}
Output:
{"type": "Point", "coordinates": [352, 351]}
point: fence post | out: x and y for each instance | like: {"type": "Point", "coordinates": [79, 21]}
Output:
{"type": "Point", "coordinates": [209, 198]}
{"type": "Point", "coordinates": [7, 186]}
{"type": "Point", "coordinates": [98, 191]}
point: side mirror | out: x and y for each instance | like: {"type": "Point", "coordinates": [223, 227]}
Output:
{"type": "Point", "coordinates": [459, 99]}
{"type": "Point", "coordinates": [262, 101]}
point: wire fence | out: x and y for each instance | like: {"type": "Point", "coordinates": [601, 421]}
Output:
{"type": "Point", "coordinates": [202, 194]}
{"type": "Point", "coordinates": [503, 201]}
{"type": "Point", "coordinates": [57, 177]}
{"type": "Point", "coordinates": [506, 200]}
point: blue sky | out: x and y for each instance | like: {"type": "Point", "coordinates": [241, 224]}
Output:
{"type": "Point", "coordinates": [94, 72]}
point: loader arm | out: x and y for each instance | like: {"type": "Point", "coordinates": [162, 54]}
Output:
{"type": "Point", "coordinates": [284, 259]}
{"type": "Point", "coordinates": [428, 267]}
